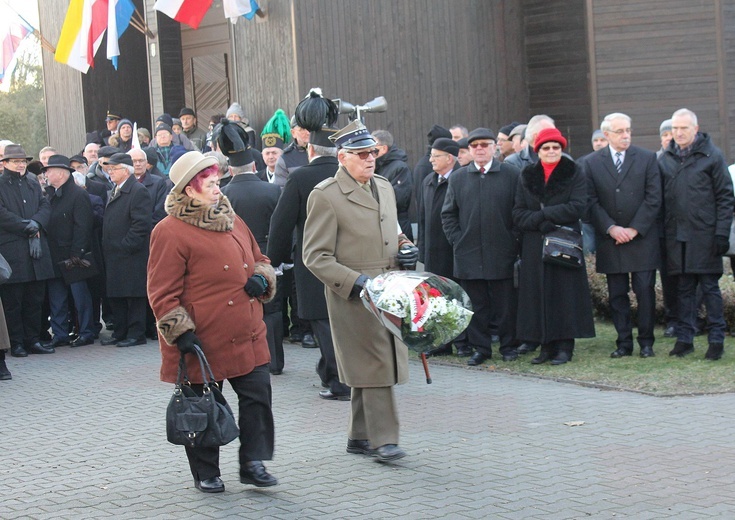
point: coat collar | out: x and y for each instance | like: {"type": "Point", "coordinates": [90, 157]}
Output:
{"type": "Point", "coordinates": [532, 178]}
{"type": "Point", "coordinates": [353, 190]}
{"type": "Point", "coordinates": [219, 218]}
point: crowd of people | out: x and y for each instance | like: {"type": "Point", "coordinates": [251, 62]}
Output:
{"type": "Point", "coordinates": [198, 238]}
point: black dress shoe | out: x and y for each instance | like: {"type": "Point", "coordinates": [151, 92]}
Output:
{"type": "Point", "coordinates": [295, 337]}
{"type": "Point", "coordinates": [621, 352]}
{"type": "Point", "coordinates": [526, 348]}
{"type": "Point", "coordinates": [308, 341]}
{"type": "Point", "coordinates": [714, 352]}
{"type": "Point", "coordinates": [254, 473]}
{"type": "Point", "coordinates": [389, 452]}
{"type": "Point", "coordinates": [131, 342]}
{"type": "Point", "coordinates": [465, 351]}
{"type": "Point", "coordinates": [57, 343]}
{"type": "Point", "coordinates": [444, 350]}
{"type": "Point", "coordinates": [330, 396]}
{"type": "Point", "coordinates": [6, 376]}
{"type": "Point", "coordinates": [478, 358]}
{"type": "Point", "coordinates": [210, 485]}
{"type": "Point", "coordinates": [681, 349]}
{"type": "Point", "coordinates": [110, 341]}
{"type": "Point", "coordinates": [670, 332]}
{"type": "Point", "coordinates": [37, 348]}
{"type": "Point", "coordinates": [647, 351]}
{"type": "Point", "coordinates": [82, 342]}
{"type": "Point", "coordinates": [276, 371]}
{"type": "Point", "coordinates": [510, 355]}
{"type": "Point", "coordinates": [18, 351]}
{"type": "Point", "coordinates": [561, 358]}
{"type": "Point", "coordinates": [360, 447]}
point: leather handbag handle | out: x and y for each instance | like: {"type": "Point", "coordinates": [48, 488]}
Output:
{"type": "Point", "coordinates": [207, 375]}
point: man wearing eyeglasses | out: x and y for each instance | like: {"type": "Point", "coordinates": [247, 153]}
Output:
{"type": "Point", "coordinates": [477, 219]}
{"type": "Point", "coordinates": [625, 202]}
{"type": "Point", "coordinates": [99, 171]}
{"type": "Point", "coordinates": [352, 234]}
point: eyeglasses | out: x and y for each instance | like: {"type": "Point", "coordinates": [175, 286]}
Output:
{"type": "Point", "coordinates": [621, 131]}
{"type": "Point", "coordinates": [364, 155]}
{"type": "Point", "coordinates": [481, 145]}
{"type": "Point", "coordinates": [548, 147]}
{"type": "Point", "coordinates": [17, 162]}
{"type": "Point", "coordinates": [437, 156]}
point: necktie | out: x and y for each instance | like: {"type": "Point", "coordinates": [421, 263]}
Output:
{"type": "Point", "coordinates": [482, 170]}
{"type": "Point", "coordinates": [366, 187]}
{"type": "Point", "coordinates": [114, 192]}
{"type": "Point", "coordinates": [618, 161]}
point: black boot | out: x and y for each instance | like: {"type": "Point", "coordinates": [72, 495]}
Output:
{"type": "Point", "coordinates": [714, 352]}
{"type": "Point", "coordinates": [4, 372]}
{"type": "Point", "coordinates": [545, 354]}
{"type": "Point", "coordinates": [564, 355]}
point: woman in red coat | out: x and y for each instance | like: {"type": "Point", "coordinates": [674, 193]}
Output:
{"type": "Point", "coordinates": [207, 282]}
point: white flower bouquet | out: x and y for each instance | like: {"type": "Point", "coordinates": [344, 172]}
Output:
{"type": "Point", "coordinates": [421, 309]}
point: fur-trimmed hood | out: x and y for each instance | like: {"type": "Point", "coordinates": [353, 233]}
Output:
{"type": "Point", "coordinates": [212, 218]}
{"type": "Point", "coordinates": [532, 178]}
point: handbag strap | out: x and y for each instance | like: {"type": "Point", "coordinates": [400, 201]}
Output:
{"type": "Point", "coordinates": [207, 375]}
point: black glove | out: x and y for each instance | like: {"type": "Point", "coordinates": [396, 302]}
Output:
{"type": "Point", "coordinates": [186, 342]}
{"type": "Point", "coordinates": [31, 228]}
{"type": "Point", "coordinates": [547, 227]}
{"type": "Point", "coordinates": [79, 262]}
{"type": "Point", "coordinates": [34, 244]}
{"type": "Point", "coordinates": [256, 285]}
{"type": "Point", "coordinates": [408, 255]}
{"type": "Point", "coordinates": [722, 244]}
{"type": "Point", "coordinates": [536, 218]}
{"type": "Point", "coordinates": [359, 286]}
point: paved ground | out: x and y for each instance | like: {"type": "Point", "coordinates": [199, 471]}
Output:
{"type": "Point", "coordinates": [83, 437]}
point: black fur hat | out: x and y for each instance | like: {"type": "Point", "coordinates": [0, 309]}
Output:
{"type": "Point", "coordinates": [318, 115]}
{"type": "Point", "coordinates": [232, 140]}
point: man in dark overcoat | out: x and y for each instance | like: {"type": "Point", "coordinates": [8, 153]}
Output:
{"type": "Point", "coordinates": [290, 217]}
{"type": "Point", "coordinates": [698, 204]}
{"type": "Point", "coordinates": [126, 231]}
{"type": "Point", "coordinates": [625, 202]}
{"type": "Point", "coordinates": [69, 239]}
{"type": "Point", "coordinates": [158, 187]}
{"type": "Point", "coordinates": [435, 251]}
{"type": "Point", "coordinates": [391, 164]}
{"type": "Point", "coordinates": [24, 216]}
{"type": "Point", "coordinates": [477, 217]}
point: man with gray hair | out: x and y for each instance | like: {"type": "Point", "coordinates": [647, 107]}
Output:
{"type": "Point", "coordinates": [527, 156]}
{"type": "Point", "coordinates": [699, 202]}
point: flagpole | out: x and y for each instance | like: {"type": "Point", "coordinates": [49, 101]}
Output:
{"type": "Point", "coordinates": [141, 21]}
{"type": "Point", "coordinates": [45, 44]}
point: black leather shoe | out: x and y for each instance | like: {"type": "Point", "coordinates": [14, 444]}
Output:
{"type": "Point", "coordinates": [444, 350]}
{"type": "Point", "coordinates": [57, 343]}
{"type": "Point", "coordinates": [561, 358]}
{"type": "Point", "coordinates": [329, 396]}
{"type": "Point", "coordinates": [276, 371]}
{"type": "Point", "coordinates": [478, 358]}
{"type": "Point", "coordinates": [82, 342]}
{"type": "Point", "coordinates": [681, 349]}
{"type": "Point", "coordinates": [308, 341]}
{"type": "Point", "coordinates": [210, 485]}
{"type": "Point", "coordinates": [621, 352]}
{"type": "Point", "coordinates": [254, 473]}
{"type": "Point", "coordinates": [18, 351]}
{"type": "Point", "coordinates": [131, 342]}
{"type": "Point", "coordinates": [714, 352]}
{"type": "Point", "coordinates": [295, 337]}
{"type": "Point", "coordinates": [6, 376]}
{"type": "Point", "coordinates": [37, 348]}
{"type": "Point", "coordinates": [510, 356]}
{"type": "Point", "coordinates": [389, 452]}
{"type": "Point", "coordinates": [526, 348]}
{"type": "Point", "coordinates": [360, 447]}
{"type": "Point", "coordinates": [647, 351]}
{"type": "Point", "coordinates": [670, 332]}
{"type": "Point", "coordinates": [110, 341]}
{"type": "Point", "coordinates": [465, 351]}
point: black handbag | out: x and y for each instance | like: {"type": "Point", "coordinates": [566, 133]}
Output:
{"type": "Point", "coordinates": [195, 421]}
{"type": "Point", "coordinates": [563, 247]}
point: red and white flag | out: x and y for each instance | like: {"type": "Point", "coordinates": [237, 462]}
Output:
{"type": "Point", "coordinates": [189, 12]}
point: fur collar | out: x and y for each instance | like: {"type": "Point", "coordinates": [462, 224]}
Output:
{"type": "Point", "coordinates": [218, 218]}
{"type": "Point", "coordinates": [560, 179]}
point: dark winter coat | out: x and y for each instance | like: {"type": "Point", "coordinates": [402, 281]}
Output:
{"type": "Point", "coordinates": [392, 165]}
{"type": "Point", "coordinates": [96, 174]}
{"type": "Point", "coordinates": [97, 188]}
{"type": "Point", "coordinates": [631, 198]}
{"type": "Point", "coordinates": [289, 218]}
{"type": "Point", "coordinates": [420, 171]}
{"type": "Point", "coordinates": [254, 201]}
{"type": "Point", "coordinates": [71, 223]}
{"type": "Point", "coordinates": [293, 157]}
{"type": "Point", "coordinates": [158, 188]}
{"type": "Point", "coordinates": [477, 217]}
{"type": "Point", "coordinates": [520, 160]}
{"type": "Point", "coordinates": [21, 198]}
{"type": "Point", "coordinates": [553, 301]}
{"type": "Point", "coordinates": [126, 229]}
{"type": "Point", "coordinates": [698, 205]}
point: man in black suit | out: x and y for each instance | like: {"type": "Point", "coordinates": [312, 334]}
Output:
{"type": "Point", "coordinates": [69, 239]}
{"type": "Point", "coordinates": [625, 201]}
{"type": "Point", "coordinates": [126, 231]}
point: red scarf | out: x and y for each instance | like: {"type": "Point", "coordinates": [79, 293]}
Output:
{"type": "Point", "coordinates": [548, 168]}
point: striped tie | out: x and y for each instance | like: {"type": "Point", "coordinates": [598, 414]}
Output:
{"type": "Point", "coordinates": [618, 161]}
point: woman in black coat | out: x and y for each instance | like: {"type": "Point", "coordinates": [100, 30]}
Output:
{"type": "Point", "coordinates": [554, 301]}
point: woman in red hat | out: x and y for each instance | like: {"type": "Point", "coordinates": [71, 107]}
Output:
{"type": "Point", "coordinates": [554, 304]}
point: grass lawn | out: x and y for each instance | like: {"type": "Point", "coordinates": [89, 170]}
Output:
{"type": "Point", "coordinates": [662, 375]}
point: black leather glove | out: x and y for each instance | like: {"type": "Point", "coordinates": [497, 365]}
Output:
{"type": "Point", "coordinates": [31, 228]}
{"type": "Point", "coordinates": [34, 244]}
{"type": "Point", "coordinates": [186, 342]}
{"type": "Point", "coordinates": [722, 244]}
{"type": "Point", "coordinates": [547, 227]}
{"type": "Point", "coordinates": [256, 285]}
{"type": "Point", "coordinates": [407, 257]}
{"type": "Point", "coordinates": [79, 262]}
{"type": "Point", "coordinates": [359, 285]}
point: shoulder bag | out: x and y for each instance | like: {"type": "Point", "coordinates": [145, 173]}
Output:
{"type": "Point", "coordinates": [563, 247]}
{"type": "Point", "coordinates": [195, 421]}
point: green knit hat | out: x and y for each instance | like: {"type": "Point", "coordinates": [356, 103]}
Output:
{"type": "Point", "coordinates": [277, 131]}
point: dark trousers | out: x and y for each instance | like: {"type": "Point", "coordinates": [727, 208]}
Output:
{"type": "Point", "coordinates": [58, 293]}
{"type": "Point", "coordinates": [95, 290]}
{"type": "Point", "coordinates": [274, 330]}
{"type": "Point", "coordinates": [618, 286]}
{"type": "Point", "coordinates": [494, 302]}
{"type": "Point", "coordinates": [290, 307]}
{"type": "Point", "coordinates": [327, 365]}
{"type": "Point", "coordinates": [129, 317]}
{"type": "Point", "coordinates": [22, 304]}
{"type": "Point", "coordinates": [669, 287]}
{"type": "Point", "coordinates": [709, 284]}
{"type": "Point", "coordinates": [257, 432]}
